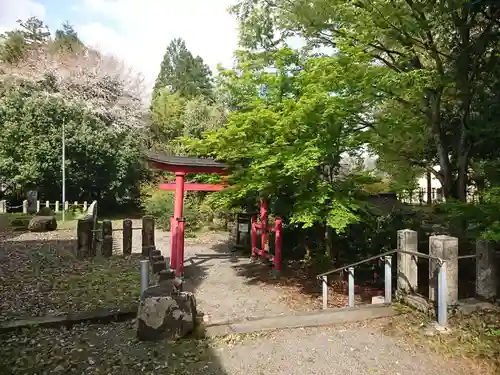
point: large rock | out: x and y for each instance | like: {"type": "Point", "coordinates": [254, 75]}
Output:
{"type": "Point", "coordinates": [166, 313]}
{"type": "Point", "coordinates": [42, 224]}
{"type": "Point", "coordinates": [45, 211]}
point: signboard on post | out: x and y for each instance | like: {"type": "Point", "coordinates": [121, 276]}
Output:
{"type": "Point", "coordinates": [32, 198]}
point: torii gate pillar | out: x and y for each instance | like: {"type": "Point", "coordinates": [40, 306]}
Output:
{"type": "Point", "coordinates": [179, 194]}
{"type": "Point", "coordinates": [181, 166]}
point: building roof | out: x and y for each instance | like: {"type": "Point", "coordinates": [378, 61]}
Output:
{"type": "Point", "coordinates": [183, 161]}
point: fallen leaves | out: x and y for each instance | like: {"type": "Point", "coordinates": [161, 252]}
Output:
{"type": "Point", "coordinates": [471, 336]}
{"type": "Point", "coordinates": [102, 349]}
{"type": "Point", "coordinates": [299, 287]}
{"type": "Point", "coordinates": [39, 275]}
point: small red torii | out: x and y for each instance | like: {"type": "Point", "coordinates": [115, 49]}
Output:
{"type": "Point", "coordinates": [265, 228]}
{"type": "Point", "coordinates": [182, 165]}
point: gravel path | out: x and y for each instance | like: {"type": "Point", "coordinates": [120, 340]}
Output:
{"type": "Point", "coordinates": [113, 350]}
{"type": "Point", "coordinates": [222, 294]}
{"type": "Point", "coordinates": [326, 351]}
{"type": "Point", "coordinates": [211, 271]}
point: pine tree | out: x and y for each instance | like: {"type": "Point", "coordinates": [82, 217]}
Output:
{"type": "Point", "coordinates": [182, 73]}
{"type": "Point", "coordinates": [31, 34]}
{"type": "Point", "coordinates": [34, 31]}
{"type": "Point", "coordinates": [67, 39]}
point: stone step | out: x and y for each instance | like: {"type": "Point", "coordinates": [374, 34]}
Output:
{"type": "Point", "coordinates": [155, 253]}
{"type": "Point", "coordinates": [167, 274]}
{"type": "Point", "coordinates": [300, 320]}
{"type": "Point", "coordinates": [157, 258]}
{"type": "Point", "coordinates": [159, 266]}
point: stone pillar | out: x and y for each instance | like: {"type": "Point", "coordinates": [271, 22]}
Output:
{"type": "Point", "coordinates": [107, 238]}
{"type": "Point", "coordinates": [407, 263]}
{"type": "Point", "coordinates": [47, 204]}
{"type": "Point", "coordinates": [3, 207]}
{"type": "Point", "coordinates": [57, 206]}
{"type": "Point", "coordinates": [446, 248]}
{"type": "Point", "coordinates": [37, 206]}
{"type": "Point", "coordinates": [148, 235]}
{"type": "Point", "coordinates": [66, 206]}
{"type": "Point", "coordinates": [84, 238]}
{"type": "Point", "coordinates": [486, 269]}
{"type": "Point", "coordinates": [25, 206]}
{"type": "Point", "coordinates": [237, 240]}
{"type": "Point", "coordinates": [127, 237]}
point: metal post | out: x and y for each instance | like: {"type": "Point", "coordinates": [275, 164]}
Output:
{"type": "Point", "coordinates": [388, 278]}
{"type": "Point", "coordinates": [144, 275]}
{"type": "Point", "coordinates": [325, 292]}
{"type": "Point", "coordinates": [350, 274]}
{"type": "Point", "coordinates": [442, 296]}
{"type": "Point", "coordinates": [63, 170]}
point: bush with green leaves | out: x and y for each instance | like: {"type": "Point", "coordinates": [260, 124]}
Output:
{"type": "Point", "coordinates": [160, 204]}
{"type": "Point", "coordinates": [474, 221]}
{"type": "Point", "coordinates": [102, 160]}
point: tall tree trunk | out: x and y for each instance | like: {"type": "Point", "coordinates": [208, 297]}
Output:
{"type": "Point", "coordinates": [429, 188]}
{"type": "Point", "coordinates": [434, 115]}
{"type": "Point", "coordinates": [462, 178]}
{"type": "Point", "coordinates": [328, 242]}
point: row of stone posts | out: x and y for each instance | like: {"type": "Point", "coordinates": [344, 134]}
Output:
{"type": "Point", "coordinates": [446, 249]}
{"type": "Point", "coordinates": [88, 236]}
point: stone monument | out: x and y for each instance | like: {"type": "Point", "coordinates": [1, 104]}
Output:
{"type": "Point", "coordinates": [32, 198]}
{"type": "Point", "coordinates": [165, 312]}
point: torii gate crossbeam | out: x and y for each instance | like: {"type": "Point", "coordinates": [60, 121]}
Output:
{"type": "Point", "coordinates": [182, 165]}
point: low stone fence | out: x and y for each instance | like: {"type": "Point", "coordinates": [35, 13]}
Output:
{"type": "Point", "coordinates": [446, 248]}
{"type": "Point", "coordinates": [443, 274]}
{"type": "Point", "coordinates": [56, 206]}
{"type": "Point", "coordinates": [90, 237]}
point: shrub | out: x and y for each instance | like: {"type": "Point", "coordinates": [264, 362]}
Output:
{"type": "Point", "coordinates": [475, 220]}
{"type": "Point", "coordinates": [160, 204]}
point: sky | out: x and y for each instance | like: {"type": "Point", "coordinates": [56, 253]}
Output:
{"type": "Point", "coordinates": [138, 31]}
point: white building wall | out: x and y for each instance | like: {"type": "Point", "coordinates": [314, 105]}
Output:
{"type": "Point", "coordinates": [436, 189]}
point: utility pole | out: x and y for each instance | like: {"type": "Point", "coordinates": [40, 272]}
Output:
{"type": "Point", "coordinates": [63, 172]}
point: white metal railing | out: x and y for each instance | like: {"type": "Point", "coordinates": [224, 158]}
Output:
{"type": "Point", "coordinates": [442, 303]}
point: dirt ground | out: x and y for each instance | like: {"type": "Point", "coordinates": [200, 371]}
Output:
{"type": "Point", "coordinates": [39, 276]}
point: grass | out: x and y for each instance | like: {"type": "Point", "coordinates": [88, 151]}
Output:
{"type": "Point", "coordinates": [475, 337]}
{"type": "Point", "coordinates": [40, 275]}
{"type": "Point", "coordinates": [19, 221]}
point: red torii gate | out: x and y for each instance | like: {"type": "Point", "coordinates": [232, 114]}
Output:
{"type": "Point", "coordinates": [182, 165]}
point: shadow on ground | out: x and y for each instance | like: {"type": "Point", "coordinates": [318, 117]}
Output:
{"type": "Point", "coordinates": [298, 281]}
{"type": "Point", "coordinates": [103, 349]}
{"type": "Point", "coordinates": [39, 275]}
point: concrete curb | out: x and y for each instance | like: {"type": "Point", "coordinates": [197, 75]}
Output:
{"type": "Point", "coordinates": [66, 320]}
{"type": "Point", "coordinates": [300, 320]}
